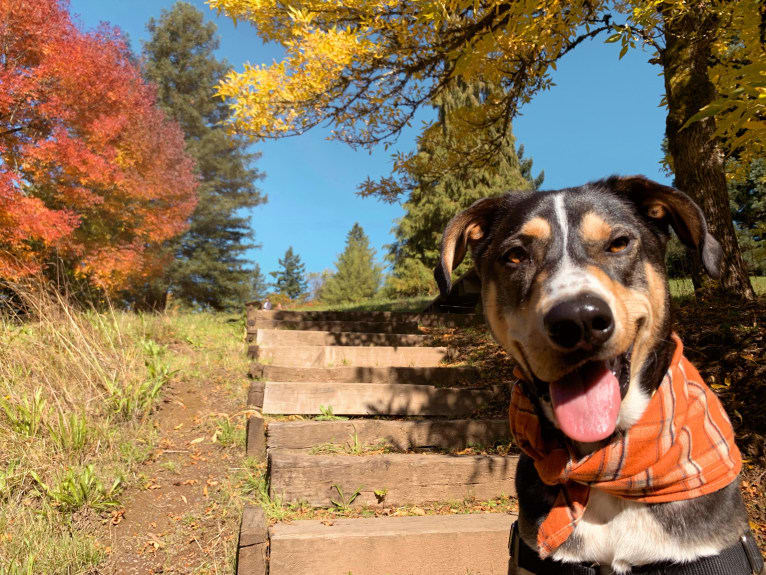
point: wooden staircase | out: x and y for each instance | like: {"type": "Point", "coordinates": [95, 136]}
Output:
{"type": "Point", "coordinates": [392, 390]}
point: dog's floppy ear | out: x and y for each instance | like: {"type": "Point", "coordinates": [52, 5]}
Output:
{"type": "Point", "coordinates": [466, 228]}
{"type": "Point", "coordinates": [666, 206]}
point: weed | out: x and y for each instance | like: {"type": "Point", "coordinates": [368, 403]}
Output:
{"type": "Point", "coordinates": [380, 494]}
{"type": "Point", "coordinates": [79, 488]}
{"type": "Point", "coordinates": [138, 397]}
{"type": "Point", "coordinates": [352, 447]}
{"type": "Point", "coordinates": [10, 478]}
{"type": "Point", "coordinates": [25, 416]}
{"type": "Point", "coordinates": [72, 433]}
{"type": "Point", "coordinates": [328, 415]}
{"type": "Point", "coordinates": [227, 433]}
{"type": "Point", "coordinates": [343, 503]}
{"type": "Point", "coordinates": [171, 466]}
{"type": "Point", "coordinates": [256, 485]}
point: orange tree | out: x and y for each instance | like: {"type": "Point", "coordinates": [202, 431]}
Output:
{"type": "Point", "coordinates": [91, 171]}
{"type": "Point", "coordinates": [364, 67]}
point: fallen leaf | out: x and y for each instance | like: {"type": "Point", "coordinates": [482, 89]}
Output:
{"type": "Point", "coordinates": [117, 516]}
{"type": "Point", "coordinates": [198, 440]}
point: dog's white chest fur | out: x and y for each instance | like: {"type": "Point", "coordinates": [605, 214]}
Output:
{"type": "Point", "coordinates": [622, 533]}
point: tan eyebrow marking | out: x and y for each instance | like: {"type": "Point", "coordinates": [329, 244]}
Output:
{"type": "Point", "coordinates": [594, 228]}
{"type": "Point", "coordinates": [537, 227]}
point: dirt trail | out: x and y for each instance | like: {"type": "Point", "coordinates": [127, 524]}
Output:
{"type": "Point", "coordinates": [183, 515]}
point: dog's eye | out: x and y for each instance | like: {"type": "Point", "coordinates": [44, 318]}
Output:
{"type": "Point", "coordinates": [515, 255]}
{"type": "Point", "coordinates": [618, 244]}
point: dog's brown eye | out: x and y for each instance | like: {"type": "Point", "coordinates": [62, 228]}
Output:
{"type": "Point", "coordinates": [619, 244]}
{"type": "Point", "coordinates": [516, 255]}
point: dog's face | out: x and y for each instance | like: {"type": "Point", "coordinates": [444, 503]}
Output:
{"type": "Point", "coordinates": [574, 287]}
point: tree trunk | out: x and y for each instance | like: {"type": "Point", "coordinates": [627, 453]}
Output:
{"type": "Point", "coordinates": [697, 157]}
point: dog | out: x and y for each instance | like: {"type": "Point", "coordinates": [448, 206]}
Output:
{"type": "Point", "coordinates": [574, 288]}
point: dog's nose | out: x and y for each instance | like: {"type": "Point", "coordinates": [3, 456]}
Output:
{"type": "Point", "coordinates": [584, 321]}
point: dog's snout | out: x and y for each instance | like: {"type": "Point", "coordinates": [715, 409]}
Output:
{"type": "Point", "coordinates": [584, 321]}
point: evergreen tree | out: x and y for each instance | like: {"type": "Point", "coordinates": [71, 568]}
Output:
{"type": "Point", "coordinates": [436, 195]}
{"type": "Point", "coordinates": [209, 269]}
{"type": "Point", "coordinates": [291, 279]}
{"type": "Point", "coordinates": [747, 196]}
{"type": "Point", "coordinates": [259, 288]}
{"type": "Point", "coordinates": [357, 276]}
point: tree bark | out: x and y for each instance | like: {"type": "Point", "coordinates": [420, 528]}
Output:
{"type": "Point", "coordinates": [697, 156]}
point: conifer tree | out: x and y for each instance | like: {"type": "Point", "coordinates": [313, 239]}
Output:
{"type": "Point", "coordinates": [258, 285]}
{"type": "Point", "coordinates": [436, 195]}
{"type": "Point", "coordinates": [357, 276]}
{"type": "Point", "coordinates": [291, 278]}
{"type": "Point", "coordinates": [209, 268]}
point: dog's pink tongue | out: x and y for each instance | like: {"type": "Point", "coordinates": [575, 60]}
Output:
{"type": "Point", "coordinates": [587, 402]}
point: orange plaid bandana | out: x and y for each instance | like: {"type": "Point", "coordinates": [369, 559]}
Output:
{"type": "Point", "coordinates": [681, 448]}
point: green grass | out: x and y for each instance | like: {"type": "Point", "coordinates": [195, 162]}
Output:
{"type": "Point", "coordinates": [683, 287]}
{"type": "Point", "coordinates": [78, 390]}
{"type": "Point", "coordinates": [407, 305]}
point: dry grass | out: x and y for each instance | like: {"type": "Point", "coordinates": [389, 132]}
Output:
{"type": "Point", "coordinates": [76, 388]}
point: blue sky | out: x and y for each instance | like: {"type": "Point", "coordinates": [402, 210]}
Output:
{"type": "Point", "coordinates": [601, 118]}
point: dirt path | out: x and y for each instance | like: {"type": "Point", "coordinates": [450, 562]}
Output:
{"type": "Point", "coordinates": [183, 513]}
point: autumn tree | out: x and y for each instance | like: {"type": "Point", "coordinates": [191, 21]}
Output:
{"type": "Point", "coordinates": [357, 275]}
{"type": "Point", "coordinates": [209, 268]}
{"type": "Point", "coordinates": [366, 66]}
{"type": "Point", "coordinates": [92, 173]}
{"type": "Point", "coordinates": [290, 279]}
{"type": "Point", "coordinates": [435, 193]}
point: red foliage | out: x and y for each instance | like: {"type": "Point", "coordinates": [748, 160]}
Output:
{"type": "Point", "coordinates": [89, 165]}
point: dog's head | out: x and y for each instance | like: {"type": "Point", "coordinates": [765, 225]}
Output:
{"type": "Point", "coordinates": [574, 287]}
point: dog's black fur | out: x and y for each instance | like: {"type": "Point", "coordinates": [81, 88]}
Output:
{"type": "Point", "coordinates": [612, 235]}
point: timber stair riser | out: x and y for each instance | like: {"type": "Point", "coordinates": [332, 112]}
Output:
{"type": "Point", "coordinates": [334, 326]}
{"type": "Point", "coordinates": [456, 434]}
{"type": "Point", "coordinates": [310, 398]}
{"type": "Point", "coordinates": [330, 356]}
{"type": "Point", "coordinates": [426, 320]}
{"type": "Point", "coordinates": [274, 337]}
{"type": "Point", "coordinates": [403, 478]}
{"type": "Point", "coordinates": [441, 376]}
{"type": "Point", "coordinates": [431, 545]}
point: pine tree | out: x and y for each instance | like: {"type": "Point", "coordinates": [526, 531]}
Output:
{"type": "Point", "coordinates": [357, 276]}
{"type": "Point", "coordinates": [436, 196]}
{"type": "Point", "coordinates": [291, 279]}
{"type": "Point", "coordinates": [209, 268]}
{"type": "Point", "coordinates": [747, 195]}
{"type": "Point", "coordinates": [259, 288]}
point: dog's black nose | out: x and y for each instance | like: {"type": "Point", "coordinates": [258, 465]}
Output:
{"type": "Point", "coordinates": [583, 321]}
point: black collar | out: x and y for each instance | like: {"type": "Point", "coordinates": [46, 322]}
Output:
{"type": "Point", "coordinates": [742, 558]}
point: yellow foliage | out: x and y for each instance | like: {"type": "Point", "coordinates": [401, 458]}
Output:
{"type": "Point", "coordinates": [740, 77]}
{"type": "Point", "coordinates": [365, 66]}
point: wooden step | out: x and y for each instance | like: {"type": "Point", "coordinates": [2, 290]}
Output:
{"type": "Point", "coordinates": [398, 478]}
{"type": "Point", "coordinates": [334, 326]}
{"type": "Point", "coordinates": [306, 398]}
{"type": "Point", "coordinates": [338, 355]}
{"type": "Point", "coordinates": [475, 544]}
{"type": "Point", "coordinates": [443, 376]}
{"type": "Point", "coordinates": [430, 320]}
{"type": "Point", "coordinates": [402, 435]}
{"type": "Point", "coordinates": [295, 337]}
